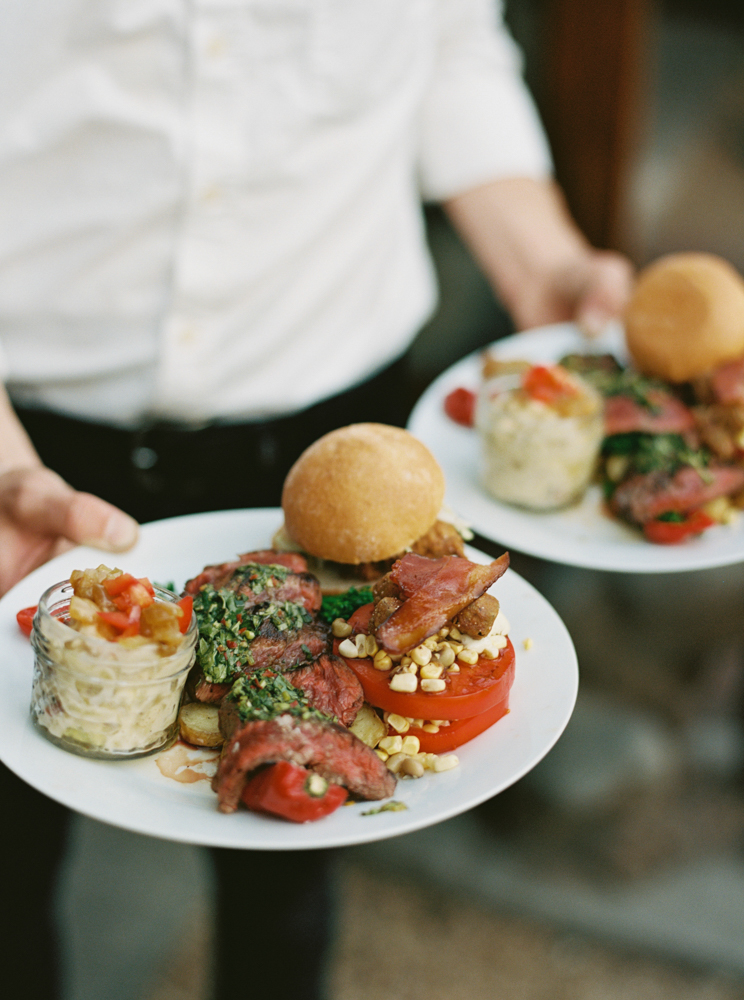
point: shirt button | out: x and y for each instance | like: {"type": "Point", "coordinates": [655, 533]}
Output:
{"type": "Point", "coordinates": [143, 458]}
{"type": "Point", "coordinates": [187, 335]}
{"type": "Point", "coordinates": [216, 46]}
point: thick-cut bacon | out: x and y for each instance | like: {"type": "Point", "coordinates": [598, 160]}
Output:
{"type": "Point", "coordinates": [412, 571]}
{"type": "Point", "coordinates": [644, 496]}
{"type": "Point", "coordinates": [456, 583]}
{"type": "Point", "coordinates": [332, 751]}
{"type": "Point", "coordinates": [727, 383]}
{"type": "Point", "coordinates": [668, 415]}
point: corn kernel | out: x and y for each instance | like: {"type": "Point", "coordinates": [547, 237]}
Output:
{"type": "Point", "coordinates": [391, 744]}
{"type": "Point", "coordinates": [431, 671]}
{"type": "Point", "coordinates": [431, 643]}
{"type": "Point", "coordinates": [381, 754]}
{"type": "Point", "coordinates": [446, 762]}
{"type": "Point", "coordinates": [348, 648]}
{"type": "Point", "coordinates": [399, 724]}
{"type": "Point", "coordinates": [371, 645]}
{"type": "Point", "coordinates": [394, 761]}
{"type": "Point", "coordinates": [527, 643]}
{"type": "Point", "coordinates": [382, 661]}
{"type": "Point", "coordinates": [341, 628]}
{"type": "Point", "coordinates": [432, 686]}
{"type": "Point", "coordinates": [429, 727]}
{"type": "Point", "coordinates": [421, 655]}
{"type": "Point", "coordinates": [468, 656]}
{"type": "Point", "coordinates": [405, 682]}
{"type": "Point", "coordinates": [410, 744]}
{"type": "Point", "coordinates": [361, 644]}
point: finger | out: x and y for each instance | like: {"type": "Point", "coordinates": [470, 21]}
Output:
{"type": "Point", "coordinates": [606, 293]}
{"type": "Point", "coordinates": [40, 501]}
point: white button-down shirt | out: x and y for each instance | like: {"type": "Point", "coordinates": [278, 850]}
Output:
{"type": "Point", "coordinates": [211, 208]}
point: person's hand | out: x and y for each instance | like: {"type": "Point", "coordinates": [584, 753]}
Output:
{"type": "Point", "coordinates": [592, 290]}
{"type": "Point", "coordinates": [540, 265]}
{"type": "Point", "coordinates": [41, 516]}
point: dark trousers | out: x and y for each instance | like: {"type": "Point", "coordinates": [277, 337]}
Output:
{"type": "Point", "coordinates": [274, 912]}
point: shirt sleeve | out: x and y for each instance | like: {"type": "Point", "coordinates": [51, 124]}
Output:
{"type": "Point", "coordinates": [479, 122]}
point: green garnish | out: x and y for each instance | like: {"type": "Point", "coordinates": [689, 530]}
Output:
{"type": "Point", "coordinates": [227, 628]}
{"type": "Point", "coordinates": [344, 605]}
{"type": "Point", "coordinates": [392, 806]}
{"type": "Point", "coordinates": [655, 452]}
{"type": "Point", "coordinates": [671, 516]}
{"type": "Point", "coordinates": [265, 695]}
{"type": "Point", "coordinates": [258, 577]}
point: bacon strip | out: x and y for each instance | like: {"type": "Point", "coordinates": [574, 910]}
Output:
{"type": "Point", "coordinates": [668, 416]}
{"type": "Point", "coordinates": [454, 584]}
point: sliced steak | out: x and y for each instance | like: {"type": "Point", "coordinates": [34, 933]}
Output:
{"type": "Point", "coordinates": [331, 686]}
{"type": "Point", "coordinates": [644, 496]}
{"type": "Point", "coordinates": [256, 584]}
{"type": "Point", "coordinates": [477, 618]}
{"type": "Point", "coordinates": [281, 650]}
{"type": "Point", "coordinates": [332, 751]}
{"type": "Point", "coordinates": [272, 557]}
{"type": "Point", "coordinates": [665, 415]}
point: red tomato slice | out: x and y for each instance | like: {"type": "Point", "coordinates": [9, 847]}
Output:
{"type": "Point", "coordinates": [458, 732]}
{"type": "Point", "coordinates": [459, 405]}
{"type": "Point", "coordinates": [186, 604]}
{"type": "Point", "coordinates": [474, 690]}
{"type": "Point", "coordinates": [550, 384]}
{"type": "Point", "coordinates": [674, 532]}
{"type": "Point", "coordinates": [25, 619]}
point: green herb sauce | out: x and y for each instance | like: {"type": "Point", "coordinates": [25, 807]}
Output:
{"type": "Point", "coordinates": [227, 629]}
{"type": "Point", "coordinates": [264, 695]}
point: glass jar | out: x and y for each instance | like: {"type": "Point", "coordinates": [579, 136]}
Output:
{"type": "Point", "coordinates": [100, 698]}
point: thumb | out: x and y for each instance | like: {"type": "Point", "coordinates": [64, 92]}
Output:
{"type": "Point", "coordinates": [41, 501]}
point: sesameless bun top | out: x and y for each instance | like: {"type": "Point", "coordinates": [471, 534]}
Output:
{"type": "Point", "coordinates": [362, 493]}
{"type": "Point", "coordinates": [686, 316]}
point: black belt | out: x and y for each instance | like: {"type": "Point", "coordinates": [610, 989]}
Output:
{"type": "Point", "coordinates": [163, 469]}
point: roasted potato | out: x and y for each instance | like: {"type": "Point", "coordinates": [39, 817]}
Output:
{"type": "Point", "coordinates": [368, 726]}
{"type": "Point", "coordinates": [199, 724]}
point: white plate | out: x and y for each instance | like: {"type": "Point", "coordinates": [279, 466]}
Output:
{"type": "Point", "coordinates": [135, 795]}
{"type": "Point", "coordinates": [581, 535]}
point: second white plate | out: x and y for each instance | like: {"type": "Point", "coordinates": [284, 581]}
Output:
{"type": "Point", "coordinates": [581, 535]}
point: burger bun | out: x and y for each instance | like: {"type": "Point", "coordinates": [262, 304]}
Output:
{"type": "Point", "coordinates": [686, 316]}
{"type": "Point", "coordinates": [362, 493]}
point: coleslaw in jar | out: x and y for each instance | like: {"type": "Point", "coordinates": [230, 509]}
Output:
{"type": "Point", "coordinates": [99, 691]}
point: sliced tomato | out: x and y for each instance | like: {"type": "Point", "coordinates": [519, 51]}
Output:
{"type": "Point", "coordinates": [549, 383]}
{"type": "Point", "coordinates": [664, 532]}
{"type": "Point", "coordinates": [186, 604]}
{"type": "Point", "coordinates": [25, 619]}
{"type": "Point", "coordinates": [459, 405]}
{"type": "Point", "coordinates": [459, 731]}
{"type": "Point", "coordinates": [475, 689]}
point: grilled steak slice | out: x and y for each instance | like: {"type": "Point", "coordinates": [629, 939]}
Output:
{"type": "Point", "coordinates": [477, 618]}
{"type": "Point", "coordinates": [256, 582]}
{"type": "Point", "coordinates": [645, 496]}
{"type": "Point", "coordinates": [280, 649]}
{"type": "Point", "coordinates": [328, 748]}
{"type": "Point", "coordinates": [665, 414]}
{"type": "Point", "coordinates": [331, 686]}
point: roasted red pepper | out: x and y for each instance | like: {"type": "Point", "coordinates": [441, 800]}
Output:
{"type": "Point", "coordinates": [671, 532]}
{"type": "Point", "coordinates": [550, 384]}
{"type": "Point", "coordinates": [293, 792]}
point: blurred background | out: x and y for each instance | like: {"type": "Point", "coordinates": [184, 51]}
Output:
{"type": "Point", "coordinates": [615, 870]}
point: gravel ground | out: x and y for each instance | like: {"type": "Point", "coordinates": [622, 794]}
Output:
{"type": "Point", "coordinates": [399, 940]}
